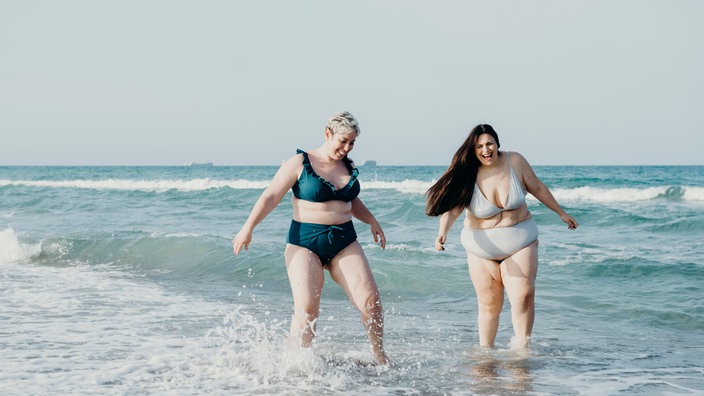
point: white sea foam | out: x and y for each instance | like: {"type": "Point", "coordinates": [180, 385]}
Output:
{"type": "Point", "coordinates": [403, 247]}
{"type": "Point", "coordinates": [97, 331]}
{"type": "Point", "coordinates": [12, 250]}
{"type": "Point", "coordinates": [94, 330]}
{"type": "Point", "coordinates": [140, 185]}
{"type": "Point", "coordinates": [595, 194]}
{"type": "Point", "coordinates": [408, 186]}
{"type": "Point", "coordinates": [693, 194]}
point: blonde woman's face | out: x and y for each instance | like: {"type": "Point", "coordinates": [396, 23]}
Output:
{"type": "Point", "coordinates": [340, 144]}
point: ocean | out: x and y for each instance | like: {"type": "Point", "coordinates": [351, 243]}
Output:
{"type": "Point", "coordinates": [122, 280]}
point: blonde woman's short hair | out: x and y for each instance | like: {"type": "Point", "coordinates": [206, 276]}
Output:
{"type": "Point", "coordinates": [343, 122]}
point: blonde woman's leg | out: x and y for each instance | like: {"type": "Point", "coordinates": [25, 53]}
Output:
{"type": "Point", "coordinates": [350, 269]}
{"type": "Point", "coordinates": [305, 274]}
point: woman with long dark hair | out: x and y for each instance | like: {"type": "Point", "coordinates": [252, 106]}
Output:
{"type": "Point", "coordinates": [499, 234]}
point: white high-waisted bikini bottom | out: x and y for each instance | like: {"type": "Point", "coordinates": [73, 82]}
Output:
{"type": "Point", "coordinates": [501, 242]}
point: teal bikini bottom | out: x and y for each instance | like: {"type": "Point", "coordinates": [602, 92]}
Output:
{"type": "Point", "coordinates": [326, 241]}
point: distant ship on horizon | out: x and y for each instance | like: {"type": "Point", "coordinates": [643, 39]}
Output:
{"type": "Point", "coordinates": [369, 163]}
{"type": "Point", "coordinates": [199, 164]}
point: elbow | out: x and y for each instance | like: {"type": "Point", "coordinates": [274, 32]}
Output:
{"type": "Point", "coordinates": [454, 213]}
{"type": "Point", "coordinates": [538, 190]}
{"type": "Point", "coordinates": [271, 200]}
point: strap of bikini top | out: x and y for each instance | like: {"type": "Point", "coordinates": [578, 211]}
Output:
{"type": "Point", "coordinates": [510, 167]}
{"type": "Point", "coordinates": [354, 172]}
{"type": "Point", "coordinates": [306, 161]}
{"type": "Point", "coordinates": [348, 164]}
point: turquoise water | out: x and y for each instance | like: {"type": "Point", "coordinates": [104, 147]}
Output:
{"type": "Point", "coordinates": [121, 280]}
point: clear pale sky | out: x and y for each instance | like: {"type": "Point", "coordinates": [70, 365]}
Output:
{"type": "Point", "coordinates": [247, 82]}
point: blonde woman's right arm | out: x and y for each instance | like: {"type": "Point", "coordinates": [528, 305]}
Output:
{"type": "Point", "coordinates": [283, 180]}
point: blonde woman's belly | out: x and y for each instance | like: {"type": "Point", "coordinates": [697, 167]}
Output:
{"type": "Point", "coordinates": [330, 212]}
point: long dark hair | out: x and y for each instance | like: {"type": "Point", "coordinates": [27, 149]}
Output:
{"type": "Point", "coordinates": [456, 185]}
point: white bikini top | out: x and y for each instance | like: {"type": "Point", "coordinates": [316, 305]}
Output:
{"type": "Point", "coordinates": [482, 208]}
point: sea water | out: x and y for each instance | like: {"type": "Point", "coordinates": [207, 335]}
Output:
{"type": "Point", "coordinates": [121, 280]}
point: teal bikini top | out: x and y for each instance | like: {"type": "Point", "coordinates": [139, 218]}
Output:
{"type": "Point", "coordinates": [311, 187]}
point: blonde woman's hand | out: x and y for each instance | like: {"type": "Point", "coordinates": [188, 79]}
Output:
{"type": "Point", "coordinates": [242, 239]}
{"type": "Point", "coordinates": [378, 234]}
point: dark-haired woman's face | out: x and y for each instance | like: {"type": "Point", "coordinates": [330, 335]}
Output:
{"type": "Point", "coordinates": [486, 149]}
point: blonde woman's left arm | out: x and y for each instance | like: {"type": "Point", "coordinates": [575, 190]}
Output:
{"type": "Point", "coordinates": [361, 212]}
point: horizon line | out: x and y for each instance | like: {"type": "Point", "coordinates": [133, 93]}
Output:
{"type": "Point", "coordinates": [213, 165]}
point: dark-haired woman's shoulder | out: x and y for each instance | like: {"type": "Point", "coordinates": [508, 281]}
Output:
{"type": "Point", "coordinates": [523, 170]}
{"type": "Point", "coordinates": [517, 159]}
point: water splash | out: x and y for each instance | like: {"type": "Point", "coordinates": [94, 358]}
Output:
{"type": "Point", "coordinates": [13, 251]}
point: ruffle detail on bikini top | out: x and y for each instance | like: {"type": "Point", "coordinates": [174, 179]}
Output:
{"type": "Point", "coordinates": [308, 191]}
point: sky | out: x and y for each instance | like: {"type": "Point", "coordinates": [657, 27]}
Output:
{"type": "Point", "coordinates": [600, 82]}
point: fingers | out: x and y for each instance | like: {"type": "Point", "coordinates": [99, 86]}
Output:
{"type": "Point", "coordinates": [378, 235]}
{"type": "Point", "coordinates": [439, 243]}
{"type": "Point", "coordinates": [570, 221]}
{"type": "Point", "coordinates": [237, 245]}
{"type": "Point", "coordinates": [381, 240]}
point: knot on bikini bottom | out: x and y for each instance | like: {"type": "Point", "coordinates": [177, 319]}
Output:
{"type": "Point", "coordinates": [329, 230]}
